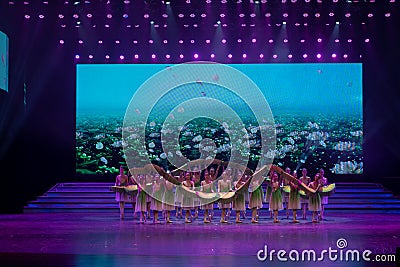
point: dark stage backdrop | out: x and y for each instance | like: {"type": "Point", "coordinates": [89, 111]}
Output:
{"type": "Point", "coordinates": [38, 135]}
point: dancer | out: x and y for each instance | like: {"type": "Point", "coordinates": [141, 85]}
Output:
{"type": "Point", "coordinates": [314, 198]}
{"type": "Point", "coordinates": [122, 197]}
{"type": "Point", "coordinates": [268, 191]}
{"type": "Point", "coordinates": [214, 175]}
{"type": "Point", "coordinates": [275, 202]}
{"type": "Point", "coordinates": [304, 200]}
{"type": "Point", "coordinates": [148, 190]}
{"type": "Point", "coordinates": [207, 187]}
{"type": "Point", "coordinates": [187, 200]}
{"type": "Point", "coordinates": [324, 199]}
{"type": "Point", "coordinates": [141, 199]}
{"type": "Point", "coordinates": [168, 199]}
{"type": "Point", "coordinates": [179, 197]}
{"type": "Point", "coordinates": [285, 196]}
{"type": "Point", "coordinates": [224, 186]}
{"type": "Point", "coordinates": [256, 198]}
{"type": "Point", "coordinates": [197, 183]}
{"type": "Point", "coordinates": [156, 204]}
{"type": "Point", "coordinates": [294, 198]}
{"type": "Point", "coordinates": [239, 202]}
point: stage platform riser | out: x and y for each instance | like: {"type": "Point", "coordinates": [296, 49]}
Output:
{"type": "Point", "coordinates": [96, 197]}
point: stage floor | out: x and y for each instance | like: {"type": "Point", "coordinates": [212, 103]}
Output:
{"type": "Point", "coordinates": [102, 239]}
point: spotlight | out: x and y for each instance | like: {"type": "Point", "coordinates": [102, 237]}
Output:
{"type": "Point", "coordinates": [333, 55]}
{"type": "Point", "coordinates": [261, 55]}
{"type": "Point", "coordinates": [181, 56]}
{"type": "Point", "coordinates": [305, 55]}
{"type": "Point", "coordinates": [196, 56]}
{"type": "Point", "coordinates": [212, 56]}
{"type": "Point", "coordinates": [77, 56]}
{"type": "Point", "coordinates": [230, 56]}
{"type": "Point", "coordinates": [136, 56]}
{"type": "Point", "coordinates": [121, 57]}
{"type": "Point", "coordinates": [318, 55]}
{"type": "Point", "coordinates": [244, 55]}
{"type": "Point", "coordinates": [153, 56]}
{"type": "Point", "coordinates": [218, 22]}
{"type": "Point", "coordinates": [152, 22]}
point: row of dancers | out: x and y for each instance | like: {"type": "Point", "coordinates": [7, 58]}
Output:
{"type": "Point", "coordinates": [160, 195]}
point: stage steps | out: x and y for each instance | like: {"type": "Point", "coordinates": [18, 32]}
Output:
{"type": "Point", "coordinates": [96, 197]}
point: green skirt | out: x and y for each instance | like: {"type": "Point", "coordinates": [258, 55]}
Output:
{"type": "Point", "coordinates": [314, 202]}
{"type": "Point", "coordinates": [275, 202]}
{"type": "Point", "coordinates": [294, 199]}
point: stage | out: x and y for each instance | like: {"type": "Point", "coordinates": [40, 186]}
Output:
{"type": "Point", "coordinates": [102, 239]}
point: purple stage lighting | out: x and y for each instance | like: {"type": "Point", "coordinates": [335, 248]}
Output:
{"type": "Point", "coordinates": [196, 56]}
{"type": "Point", "coordinates": [181, 56]}
{"type": "Point", "coordinates": [244, 55]}
{"type": "Point", "coordinates": [136, 56]}
{"type": "Point", "coordinates": [318, 55]}
{"type": "Point", "coordinates": [367, 40]}
{"type": "Point", "coordinates": [290, 56]}
{"type": "Point", "coordinates": [107, 56]}
{"type": "Point", "coordinates": [212, 56]}
{"type": "Point", "coordinates": [208, 41]}
{"type": "Point", "coordinates": [77, 56]}
{"type": "Point", "coordinates": [261, 55]}
{"type": "Point", "coordinates": [61, 41]}
{"type": "Point", "coordinates": [153, 56]}
{"type": "Point", "coordinates": [121, 57]}
{"type": "Point", "coordinates": [223, 41]}
{"type": "Point", "coordinates": [253, 40]}
{"type": "Point", "coordinates": [305, 55]}
{"type": "Point", "coordinates": [333, 55]}
{"type": "Point", "coordinates": [167, 56]}
{"type": "Point", "coordinates": [90, 56]}
{"type": "Point", "coordinates": [275, 56]}
{"type": "Point", "coordinates": [27, 16]}
{"type": "Point", "coordinates": [229, 55]}
{"type": "Point", "coordinates": [345, 56]}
